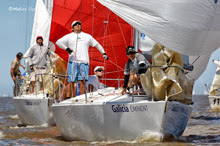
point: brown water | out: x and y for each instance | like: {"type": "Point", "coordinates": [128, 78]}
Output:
{"type": "Point", "coordinates": [203, 129]}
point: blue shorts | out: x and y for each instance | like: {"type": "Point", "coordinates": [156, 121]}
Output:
{"type": "Point", "coordinates": [76, 71]}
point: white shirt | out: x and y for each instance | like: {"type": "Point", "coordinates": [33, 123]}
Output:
{"type": "Point", "coordinates": [93, 80]}
{"type": "Point", "coordinates": [79, 43]}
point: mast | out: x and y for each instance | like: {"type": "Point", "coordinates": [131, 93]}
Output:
{"type": "Point", "coordinates": [136, 39]}
{"type": "Point", "coordinates": [49, 6]}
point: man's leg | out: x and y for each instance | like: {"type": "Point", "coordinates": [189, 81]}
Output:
{"type": "Point", "coordinates": [82, 87]}
{"type": "Point", "coordinates": [32, 86]}
{"type": "Point", "coordinates": [73, 89]}
{"type": "Point", "coordinates": [33, 79]}
{"type": "Point", "coordinates": [14, 89]}
{"type": "Point", "coordinates": [136, 80]}
{"type": "Point", "coordinates": [84, 72]}
{"type": "Point", "coordinates": [68, 90]}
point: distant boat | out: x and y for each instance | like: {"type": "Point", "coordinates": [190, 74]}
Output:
{"type": "Point", "coordinates": [214, 88]}
{"type": "Point", "coordinates": [34, 109]}
{"type": "Point", "coordinates": [6, 95]}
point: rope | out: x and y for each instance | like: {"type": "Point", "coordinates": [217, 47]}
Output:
{"type": "Point", "coordinates": [115, 64]}
{"type": "Point", "coordinates": [26, 27]}
{"type": "Point", "coordinates": [121, 32]}
{"type": "Point", "coordinates": [195, 60]}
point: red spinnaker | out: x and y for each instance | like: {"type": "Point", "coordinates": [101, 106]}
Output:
{"type": "Point", "coordinates": [113, 33]}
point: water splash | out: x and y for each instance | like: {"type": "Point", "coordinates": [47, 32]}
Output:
{"type": "Point", "coordinates": [14, 117]}
{"type": "Point", "coordinates": [1, 135]}
{"type": "Point", "coordinates": [148, 136]}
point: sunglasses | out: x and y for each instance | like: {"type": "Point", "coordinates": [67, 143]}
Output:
{"type": "Point", "coordinates": [77, 23]}
{"type": "Point", "coordinates": [99, 71]}
{"type": "Point", "coordinates": [130, 53]}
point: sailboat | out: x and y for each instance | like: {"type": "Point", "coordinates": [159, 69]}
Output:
{"type": "Point", "coordinates": [35, 109]}
{"type": "Point", "coordinates": [214, 94]}
{"type": "Point", "coordinates": [186, 27]}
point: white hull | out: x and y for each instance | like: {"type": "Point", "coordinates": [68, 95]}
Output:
{"type": "Point", "coordinates": [119, 119]}
{"type": "Point", "coordinates": [33, 110]}
{"type": "Point", "coordinates": [214, 102]}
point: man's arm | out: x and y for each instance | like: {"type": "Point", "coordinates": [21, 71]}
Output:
{"type": "Point", "coordinates": [22, 66]}
{"type": "Point", "coordinates": [12, 74]}
{"type": "Point", "coordinates": [62, 44]}
{"type": "Point", "coordinates": [126, 79]}
{"type": "Point", "coordinates": [30, 55]}
{"type": "Point", "coordinates": [143, 63]}
{"type": "Point", "coordinates": [100, 48]}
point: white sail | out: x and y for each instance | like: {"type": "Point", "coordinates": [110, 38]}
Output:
{"type": "Point", "coordinates": [190, 27]}
{"type": "Point", "coordinates": [200, 64]}
{"type": "Point", "coordinates": [41, 26]}
{"type": "Point", "coordinates": [145, 43]}
{"type": "Point", "coordinates": [215, 87]}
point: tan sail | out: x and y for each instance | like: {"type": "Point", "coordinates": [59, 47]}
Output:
{"type": "Point", "coordinates": [158, 82]}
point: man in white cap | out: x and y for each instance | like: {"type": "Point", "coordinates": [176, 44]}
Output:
{"type": "Point", "coordinates": [77, 44]}
{"type": "Point", "coordinates": [93, 84]}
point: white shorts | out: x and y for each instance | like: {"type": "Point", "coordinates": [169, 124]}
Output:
{"type": "Point", "coordinates": [35, 77]}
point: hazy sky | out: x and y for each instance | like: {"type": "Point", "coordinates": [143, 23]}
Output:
{"type": "Point", "coordinates": [16, 27]}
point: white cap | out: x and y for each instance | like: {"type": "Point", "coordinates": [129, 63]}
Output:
{"type": "Point", "coordinates": [98, 67]}
{"type": "Point", "coordinates": [74, 22]}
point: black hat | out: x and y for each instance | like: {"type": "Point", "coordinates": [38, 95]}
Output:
{"type": "Point", "coordinates": [130, 49]}
{"type": "Point", "coordinates": [19, 54]}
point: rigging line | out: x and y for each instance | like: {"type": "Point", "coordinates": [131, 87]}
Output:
{"type": "Point", "coordinates": [105, 33]}
{"type": "Point", "coordinates": [115, 64]}
{"type": "Point", "coordinates": [80, 9]}
{"type": "Point", "coordinates": [41, 29]}
{"type": "Point", "coordinates": [105, 28]}
{"type": "Point", "coordinates": [113, 72]}
{"type": "Point", "coordinates": [26, 30]}
{"type": "Point", "coordinates": [113, 49]}
{"type": "Point", "coordinates": [195, 60]}
{"type": "Point", "coordinates": [93, 8]}
{"type": "Point", "coordinates": [121, 31]}
{"type": "Point", "coordinates": [132, 36]}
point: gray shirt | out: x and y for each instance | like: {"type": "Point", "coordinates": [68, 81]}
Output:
{"type": "Point", "coordinates": [38, 56]}
{"type": "Point", "coordinates": [134, 64]}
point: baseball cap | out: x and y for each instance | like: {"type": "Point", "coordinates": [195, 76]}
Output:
{"type": "Point", "coordinates": [39, 37]}
{"type": "Point", "coordinates": [98, 67]}
{"type": "Point", "coordinates": [75, 22]}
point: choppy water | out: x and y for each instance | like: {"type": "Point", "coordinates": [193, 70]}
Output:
{"type": "Point", "coordinates": [203, 129]}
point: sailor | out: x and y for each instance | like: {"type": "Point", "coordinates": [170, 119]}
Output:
{"type": "Point", "coordinates": [16, 73]}
{"type": "Point", "coordinates": [77, 44]}
{"type": "Point", "coordinates": [132, 71]}
{"type": "Point", "coordinates": [93, 84]}
{"type": "Point", "coordinates": [37, 59]}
